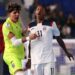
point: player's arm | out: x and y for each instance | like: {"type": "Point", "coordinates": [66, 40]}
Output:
{"type": "Point", "coordinates": [25, 31]}
{"type": "Point", "coordinates": [28, 64]}
{"type": "Point", "coordinates": [61, 43]}
{"type": "Point", "coordinates": [17, 42]}
{"type": "Point", "coordinates": [56, 33]}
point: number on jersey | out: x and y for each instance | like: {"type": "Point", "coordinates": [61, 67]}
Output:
{"type": "Point", "coordinates": [39, 33]}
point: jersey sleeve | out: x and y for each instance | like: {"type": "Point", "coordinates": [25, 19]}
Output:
{"type": "Point", "coordinates": [55, 29]}
{"type": "Point", "coordinates": [7, 28]}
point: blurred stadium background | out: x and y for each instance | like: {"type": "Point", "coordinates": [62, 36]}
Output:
{"type": "Point", "coordinates": [63, 12]}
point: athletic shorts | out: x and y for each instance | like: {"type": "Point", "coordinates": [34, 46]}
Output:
{"type": "Point", "coordinates": [14, 63]}
{"type": "Point", "coordinates": [43, 69]}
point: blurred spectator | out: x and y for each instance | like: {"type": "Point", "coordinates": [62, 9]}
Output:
{"type": "Point", "coordinates": [71, 24]}
{"type": "Point", "coordinates": [53, 7]}
{"type": "Point", "coordinates": [66, 32]}
{"type": "Point", "coordinates": [28, 3]}
{"type": "Point", "coordinates": [51, 12]}
{"type": "Point", "coordinates": [54, 16]}
{"type": "Point", "coordinates": [30, 6]}
{"type": "Point", "coordinates": [61, 19]}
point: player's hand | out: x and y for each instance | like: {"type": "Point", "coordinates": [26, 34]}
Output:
{"type": "Point", "coordinates": [69, 55]}
{"type": "Point", "coordinates": [33, 36]}
{"type": "Point", "coordinates": [28, 64]}
{"type": "Point", "coordinates": [25, 31]}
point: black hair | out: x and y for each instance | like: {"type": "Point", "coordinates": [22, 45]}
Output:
{"type": "Point", "coordinates": [13, 6]}
{"type": "Point", "coordinates": [47, 10]}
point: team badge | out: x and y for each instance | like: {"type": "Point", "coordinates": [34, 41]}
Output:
{"type": "Point", "coordinates": [12, 64]}
{"type": "Point", "coordinates": [7, 25]}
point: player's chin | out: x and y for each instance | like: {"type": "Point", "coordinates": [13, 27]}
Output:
{"type": "Point", "coordinates": [16, 19]}
{"type": "Point", "coordinates": [41, 18]}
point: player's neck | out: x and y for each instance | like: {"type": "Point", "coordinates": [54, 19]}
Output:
{"type": "Point", "coordinates": [39, 21]}
{"type": "Point", "coordinates": [39, 24]}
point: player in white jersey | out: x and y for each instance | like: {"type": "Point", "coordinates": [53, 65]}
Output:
{"type": "Point", "coordinates": [42, 56]}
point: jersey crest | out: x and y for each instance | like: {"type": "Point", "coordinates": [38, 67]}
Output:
{"type": "Point", "coordinates": [8, 25]}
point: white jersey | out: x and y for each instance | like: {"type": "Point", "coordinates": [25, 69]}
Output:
{"type": "Point", "coordinates": [41, 47]}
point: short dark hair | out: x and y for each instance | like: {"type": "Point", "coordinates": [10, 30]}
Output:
{"type": "Point", "coordinates": [13, 6]}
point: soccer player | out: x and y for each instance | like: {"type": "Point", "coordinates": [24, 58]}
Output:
{"type": "Point", "coordinates": [12, 33]}
{"type": "Point", "coordinates": [42, 56]}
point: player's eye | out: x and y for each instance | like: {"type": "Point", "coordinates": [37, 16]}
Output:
{"type": "Point", "coordinates": [16, 12]}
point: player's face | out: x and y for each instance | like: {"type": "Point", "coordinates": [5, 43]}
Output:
{"type": "Point", "coordinates": [40, 12]}
{"type": "Point", "coordinates": [14, 15]}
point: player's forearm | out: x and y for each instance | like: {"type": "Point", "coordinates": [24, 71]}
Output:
{"type": "Point", "coordinates": [61, 43]}
{"type": "Point", "coordinates": [25, 31]}
{"type": "Point", "coordinates": [24, 39]}
{"type": "Point", "coordinates": [17, 42]}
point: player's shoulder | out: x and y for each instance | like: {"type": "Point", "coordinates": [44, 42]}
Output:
{"type": "Point", "coordinates": [48, 22]}
{"type": "Point", "coordinates": [6, 25]}
{"type": "Point", "coordinates": [32, 23]}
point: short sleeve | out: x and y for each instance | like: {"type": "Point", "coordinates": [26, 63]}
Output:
{"type": "Point", "coordinates": [55, 29]}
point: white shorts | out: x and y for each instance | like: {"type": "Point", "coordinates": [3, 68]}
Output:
{"type": "Point", "coordinates": [27, 72]}
{"type": "Point", "coordinates": [43, 69]}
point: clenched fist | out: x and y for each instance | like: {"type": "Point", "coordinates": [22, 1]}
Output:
{"type": "Point", "coordinates": [33, 36]}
